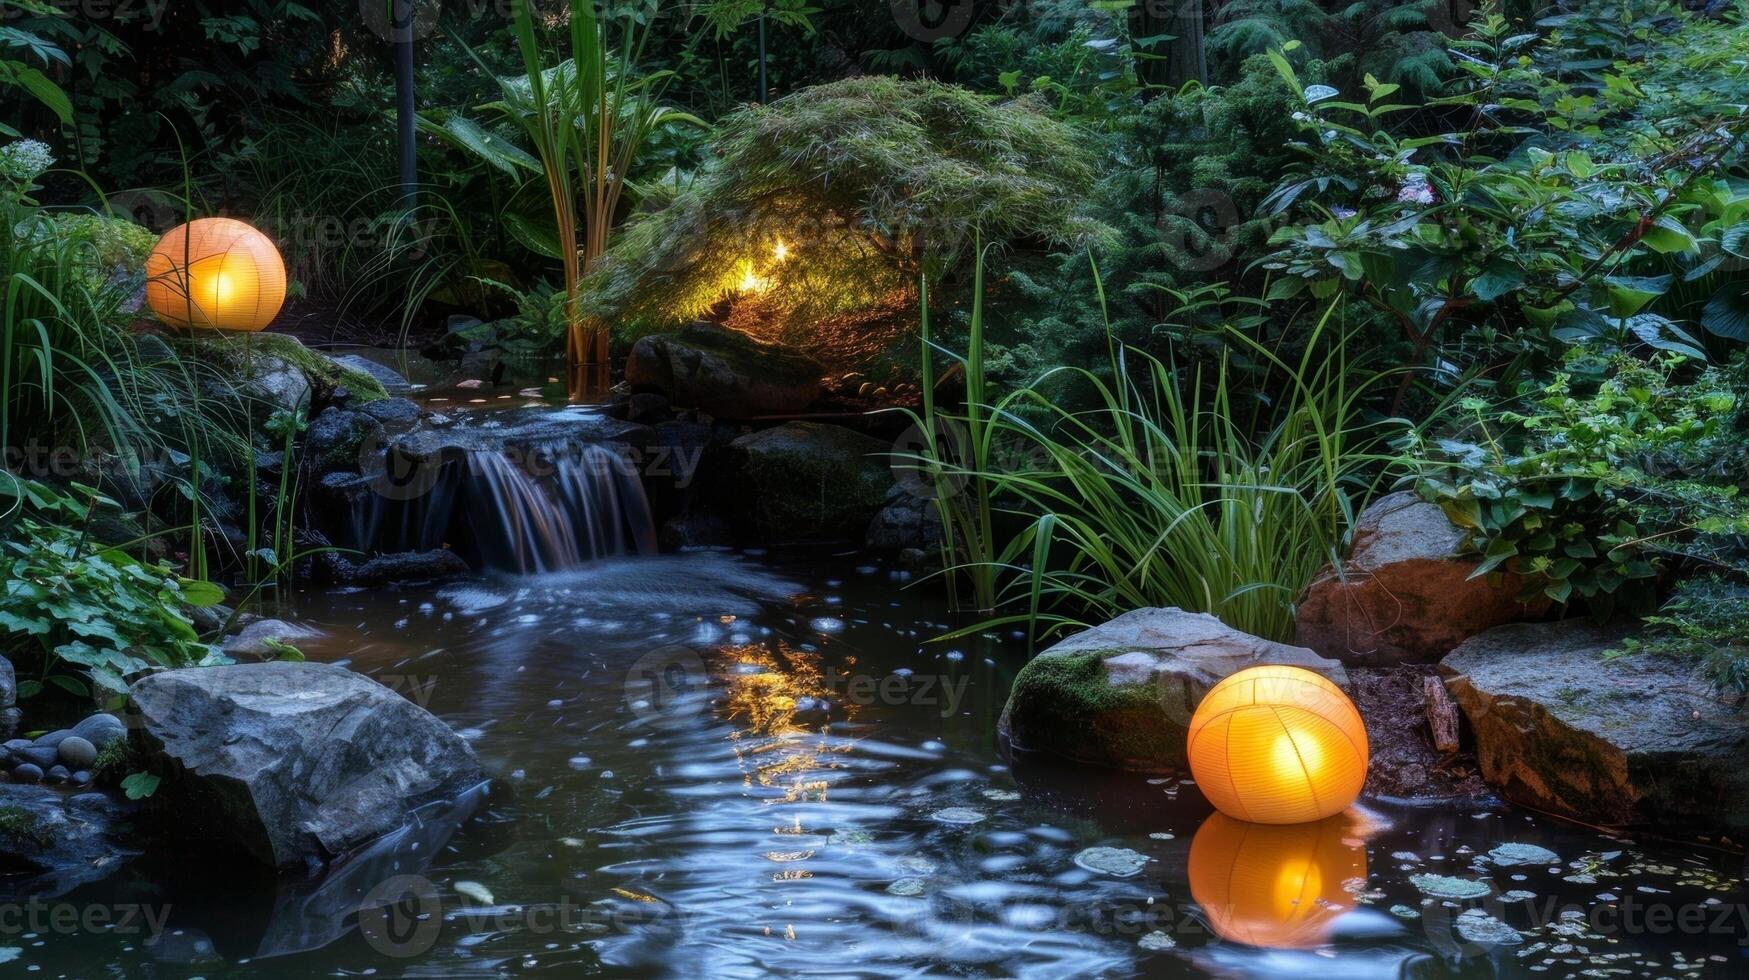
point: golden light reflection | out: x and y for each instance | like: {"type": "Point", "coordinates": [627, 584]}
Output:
{"type": "Point", "coordinates": [1275, 885]}
{"type": "Point", "coordinates": [777, 747]}
{"type": "Point", "coordinates": [781, 252]}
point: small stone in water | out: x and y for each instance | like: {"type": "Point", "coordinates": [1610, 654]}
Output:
{"type": "Point", "coordinates": [1477, 926]}
{"type": "Point", "coordinates": [1442, 886]}
{"type": "Point", "coordinates": [1160, 835]}
{"type": "Point", "coordinates": [906, 887]}
{"type": "Point", "coordinates": [1517, 895]}
{"type": "Point", "coordinates": [1156, 940]}
{"type": "Point", "coordinates": [1405, 912]}
{"type": "Point", "coordinates": [578, 762]}
{"type": "Point", "coordinates": [827, 624]}
{"type": "Point", "coordinates": [1508, 855]}
{"type": "Point", "coordinates": [1120, 862]}
{"type": "Point", "coordinates": [957, 815]}
{"type": "Point", "coordinates": [1001, 795]}
{"type": "Point", "coordinates": [475, 891]}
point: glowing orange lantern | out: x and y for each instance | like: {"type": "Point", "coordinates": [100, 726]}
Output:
{"type": "Point", "coordinates": [1274, 885]}
{"type": "Point", "coordinates": [216, 273]}
{"type": "Point", "coordinates": [1278, 744]}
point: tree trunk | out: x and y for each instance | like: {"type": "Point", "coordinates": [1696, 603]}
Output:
{"type": "Point", "coordinates": [402, 13]}
{"type": "Point", "coordinates": [1168, 39]}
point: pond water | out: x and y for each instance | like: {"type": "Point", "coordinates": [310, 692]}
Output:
{"type": "Point", "coordinates": [734, 765]}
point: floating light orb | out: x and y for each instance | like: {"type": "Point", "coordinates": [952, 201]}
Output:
{"type": "Point", "coordinates": [1278, 744]}
{"type": "Point", "coordinates": [217, 273]}
{"type": "Point", "coordinates": [781, 252]}
{"type": "Point", "coordinates": [1277, 885]}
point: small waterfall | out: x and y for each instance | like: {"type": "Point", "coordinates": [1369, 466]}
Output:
{"type": "Point", "coordinates": [545, 510]}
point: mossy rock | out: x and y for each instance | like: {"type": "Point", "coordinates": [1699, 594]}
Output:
{"type": "Point", "coordinates": [257, 357]}
{"type": "Point", "coordinates": [1122, 694]}
{"type": "Point", "coordinates": [807, 481]}
{"type": "Point", "coordinates": [724, 372]}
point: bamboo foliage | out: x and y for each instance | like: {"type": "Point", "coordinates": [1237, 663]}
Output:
{"type": "Point", "coordinates": [587, 118]}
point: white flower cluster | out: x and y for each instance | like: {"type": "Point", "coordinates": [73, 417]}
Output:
{"type": "Point", "coordinates": [25, 160]}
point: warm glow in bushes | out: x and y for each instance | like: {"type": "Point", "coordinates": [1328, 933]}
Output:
{"type": "Point", "coordinates": [1274, 885]}
{"type": "Point", "coordinates": [1278, 744]}
{"type": "Point", "coordinates": [216, 273]}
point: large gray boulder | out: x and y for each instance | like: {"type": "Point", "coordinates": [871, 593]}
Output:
{"type": "Point", "coordinates": [1122, 694]}
{"type": "Point", "coordinates": [1405, 594]}
{"type": "Point", "coordinates": [805, 481]}
{"type": "Point", "coordinates": [724, 372]}
{"type": "Point", "coordinates": [296, 762]}
{"type": "Point", "coordinates": [1636, 741]}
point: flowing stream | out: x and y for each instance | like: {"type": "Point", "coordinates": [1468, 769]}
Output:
{"type": "Point", "coordinates": [733, 765]}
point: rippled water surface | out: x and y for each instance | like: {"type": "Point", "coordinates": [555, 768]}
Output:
{"type": "Point", "coordinates": [738, 765]}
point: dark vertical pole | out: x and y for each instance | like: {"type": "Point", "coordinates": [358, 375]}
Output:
{"type": "Point", "coordinates": [763, 95]}
{"type": "Point", "coordinates": [402, 13]}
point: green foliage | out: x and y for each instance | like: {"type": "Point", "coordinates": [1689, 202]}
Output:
{"type": "Point", "coordinates": [1519, 230]}
{"type": "Point", "coordinates": [1156, 497]}
{"type": "Point", "coordinates": [1705, 620]}
{"type": "Point", "coordinates": [82, 614]}
{"type": "Point", "coordinates": [1613, 472]}
{"type": "Point", "coordinates": [1402, 43]}
{"type": "Point", "coordinates": [867, 183]}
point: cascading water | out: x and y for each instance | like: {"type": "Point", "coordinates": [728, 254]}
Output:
{"type": "Point", "coordinates": [545, 509]}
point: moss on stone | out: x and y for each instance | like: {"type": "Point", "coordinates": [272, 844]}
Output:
{"type": "Point", "coordinates": [324, 372]}
{"type": "Point", "coordinates": [18, 823]}
{"type": "Point", "coordinates": [1066, 704]}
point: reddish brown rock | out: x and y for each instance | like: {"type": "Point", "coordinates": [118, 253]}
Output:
{"type": "Point", "coordinates": [1405, 594]}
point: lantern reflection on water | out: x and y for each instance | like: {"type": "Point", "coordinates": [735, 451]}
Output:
{"type": "Point", "coordinates": [1275, 885]}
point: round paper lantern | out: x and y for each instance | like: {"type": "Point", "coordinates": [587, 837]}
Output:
{"type": "Point", "coordinates": [1278, 744]}
{"type": "Point", "coordinates": [216, 273]}
{"type": "Point", "coordinates": [1277, 885]}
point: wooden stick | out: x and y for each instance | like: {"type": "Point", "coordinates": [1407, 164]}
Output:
{"type": "Point", "coordinates": [1442, 714]}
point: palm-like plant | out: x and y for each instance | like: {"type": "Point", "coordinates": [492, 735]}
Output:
{"type": "Point", "coordinates": [587, 118]}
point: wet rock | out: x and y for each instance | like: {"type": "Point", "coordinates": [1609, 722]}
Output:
{"type": "Point", "coordinates": [336, 437]}
{"type": "Point", "coordinates": [57, 775]}
{"type": "Point", "coordinates": [391, 412]}
{"type": "Point", "coordinates": [404, 566]}
{"type": "Point", "coordinates": [278, 384]}
{"type": "Point", "coordinates": [905, 521]}
{"type": "Point", "coordinates": [957, 815]}
{"type": "Point", "coordinates": [28, 772]}
{"type": "Point", "coordinates": [1405, 592]}
{"type": "Point", "coordinates": [388, 377]}
{"type": "Point", "coordinates": [1638, 741]}
{"type": "Point", "coordinates": [52, 842]}
{"type": "Point", "coordinates": [1122, 694]}
{"type": "Point", "coordinates": [806, 481]}
{"type": "Point", "coordinates": [724, 373]}
{"type": "Point", "coordinates": [295, 762]}
{"type": "Point", "coordinates": [696, 530]}
{"type": "Point", "coordinates": [53, 739]}
{"type": "Point", "coordinates": [77, 753]}
{"type": "Point", "coordinates": [521, 430]}
{"type": "Point", "coordinates": [101, 729]}
{"type": "Point", "coordinates": [41, 756]}
{"type": "Point", "coordinates": [258, 638]}
{"type": "Point", "coordinates": [647, 407]}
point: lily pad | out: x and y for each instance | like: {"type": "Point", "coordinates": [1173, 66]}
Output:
{"type": "Point", "coordinates": [1120, 862]}
{"type": "Point", "coordinates": [1510, 855]}
{"type": "Point", "coordinates": [1477, 926]}
{"type": "Point", "coordinates": [1445, 886]}
{"type": "Point", "coordinates": [1156, 940]}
